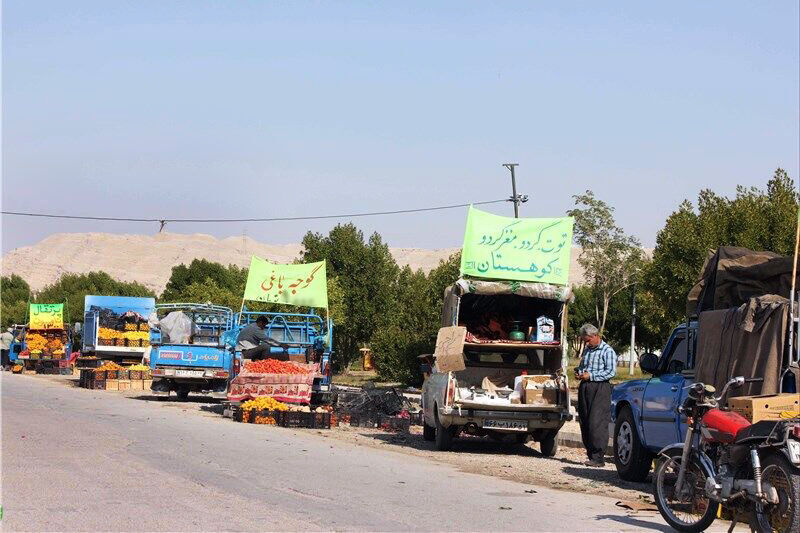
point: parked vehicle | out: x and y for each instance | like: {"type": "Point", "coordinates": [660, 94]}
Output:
{"type": "Point", "coordinates": [192, 349]}
{"type": "Point", "coordinates": [753, 469]}
{"type": "Point", "coordinates": [740, 322]}
{"type": "Point", "coordinates": [115, 327]}
{"type": "Point", "coordinates": [310, 338]}
{"type": "Point", "coordinates": [476, 397]}
{"type": "Point", "coordinates": [644, 411]}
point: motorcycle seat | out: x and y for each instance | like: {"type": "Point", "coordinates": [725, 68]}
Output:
{"type": "Point", "coordinates": [757, 432]}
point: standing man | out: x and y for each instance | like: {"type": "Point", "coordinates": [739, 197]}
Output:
{"type": "Point", "coordinates": [598, 365]}
{"type": "Point", "coordinates": [6, 339]}
{"type": "Point", "coordinates": [255, 344]}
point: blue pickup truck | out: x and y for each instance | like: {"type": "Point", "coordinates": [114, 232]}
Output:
{"type": "Point", "coordinates": [644, 411]}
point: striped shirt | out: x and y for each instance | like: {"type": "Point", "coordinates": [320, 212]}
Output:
{"type": "Point", "coordinates": [600, 362]}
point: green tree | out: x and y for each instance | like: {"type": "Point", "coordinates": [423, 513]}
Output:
{"type": "Point", "coordinates": [611, 260]}
{"type": "Point", "coordinates": [15, 294]}
{"type": "Point", "coordinates": [410, 329]}
{"type": "Point", "coordinates": [365, 270]}
{"type": "Point", "coordinates": [229, 278]}
{"type": "Point", "coordinates": [754, 218]}
{"type": "Point", "coordinates": [73, 288]}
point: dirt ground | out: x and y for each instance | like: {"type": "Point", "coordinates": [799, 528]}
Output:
{"type": "Point", "coordinates": [520, 463]}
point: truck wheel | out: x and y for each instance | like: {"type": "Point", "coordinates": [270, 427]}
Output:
{"type": "Point", "coordinates": [444, 436]}
{"type": "Point", "coordinates": [549, 444]}
{"type": "Point", "coordinates": [428, 432]}
{"type": "Point", "coordinates": [182, 394]}
{"type": "Point", "coordinates": [631, 458]}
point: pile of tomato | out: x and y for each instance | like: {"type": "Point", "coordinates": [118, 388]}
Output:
{"type": "Point", "coordinates": [273, 366]}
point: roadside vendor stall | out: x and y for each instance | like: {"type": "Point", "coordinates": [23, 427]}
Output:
{"type": "Point", "coordinates": [45, 341]}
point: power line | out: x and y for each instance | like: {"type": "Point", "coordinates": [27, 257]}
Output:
{"type": "Point", "coordinates": [163, 221]}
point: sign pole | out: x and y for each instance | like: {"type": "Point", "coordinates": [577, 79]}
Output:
{"type": "Point", "coordinates": [514, 198]}
{"type": "Point", "coordinates": [633, 329]}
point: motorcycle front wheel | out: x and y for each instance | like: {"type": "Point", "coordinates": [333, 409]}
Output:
{"type": "Point", "coordinates": [690, 510]}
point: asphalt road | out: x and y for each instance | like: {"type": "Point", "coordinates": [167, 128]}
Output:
{"type": "Point", "coordinates": [76, 459]}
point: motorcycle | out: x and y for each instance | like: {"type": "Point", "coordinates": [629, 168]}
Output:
{"type": "Point", "coordinates": [753, 470]}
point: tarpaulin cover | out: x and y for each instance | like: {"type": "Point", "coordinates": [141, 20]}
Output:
{"type": "Point", "coordinates": [748, 340]}
{"type": "Point", "coordinates": [732, 275]}
{"type": "Point", "coordinates": [288, 388]}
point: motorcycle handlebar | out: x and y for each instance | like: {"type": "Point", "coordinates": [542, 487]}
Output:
{"type": "Point", "coordinates": [753, 380]}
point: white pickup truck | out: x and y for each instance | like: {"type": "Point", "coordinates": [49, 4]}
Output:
{"type": "Point", "coordinates": [475, 394]}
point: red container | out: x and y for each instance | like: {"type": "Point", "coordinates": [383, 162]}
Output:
{"type": "Point", "coordinates": [724, 425]}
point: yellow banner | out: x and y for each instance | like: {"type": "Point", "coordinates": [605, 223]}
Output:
{"type": "Point", "coordinates": [47, 316]}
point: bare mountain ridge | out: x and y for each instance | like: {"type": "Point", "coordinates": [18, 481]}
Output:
{"type": "Point", "coordinates": [149, 259]}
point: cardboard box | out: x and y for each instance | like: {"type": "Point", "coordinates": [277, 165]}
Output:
{"type": "Point", "coordinates": [766, 407]}
{"type": "Point", "coordinates": [112, 384]}
{"type": "Point", "coordinates": [534, 396]}
{"type": "Point", "coordinates": [137, 384]}
{"type": "Point", "coordinates": [124, 384]}
{"type": "Point", "coordinates": [146, 384]}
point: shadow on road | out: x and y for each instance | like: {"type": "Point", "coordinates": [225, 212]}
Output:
{"type": "Point", "coordinates": [632, 521]}
{"type": "Point", "coordinates": [462, 444]}
{"type": "Point", "coordinates": [606, 477]}
{"type": "Point", "coordinates": [192, 399]}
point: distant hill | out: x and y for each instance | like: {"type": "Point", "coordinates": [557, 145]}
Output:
{"type": "Point", "coordinates": [149, 259]}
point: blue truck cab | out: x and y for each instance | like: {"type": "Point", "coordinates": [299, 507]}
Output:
{"type": "Point", "coordinates": [204, 364]}
{"type": "Point", "coordinates": [644, 411]}
{"type": "Point", "coordinates": [309, 338]}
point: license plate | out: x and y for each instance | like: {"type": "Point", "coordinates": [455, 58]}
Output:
{"type": "Point", "coordinates": [516, 425]}
{"type": "Point", "coordinates": [189, 373]}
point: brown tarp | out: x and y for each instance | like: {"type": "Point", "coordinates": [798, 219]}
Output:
{"type": "Point", "coordinates": [732, 275]}
{"type": "Point", "coordinates": [748, 340]}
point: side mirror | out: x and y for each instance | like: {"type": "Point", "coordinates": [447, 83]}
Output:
{"type": "Point", "coordinates": [649, 363]}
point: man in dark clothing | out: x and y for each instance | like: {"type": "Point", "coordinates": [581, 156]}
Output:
{"type": "Point", "coordinates": [598, 365]}
{"type": "Point", "coordinates": [255, 344]}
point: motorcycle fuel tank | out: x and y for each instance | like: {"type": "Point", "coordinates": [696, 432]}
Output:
{"type": "Point", "coordinates": [723, 426]}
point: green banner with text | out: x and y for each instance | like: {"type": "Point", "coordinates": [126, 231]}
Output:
{"type": "Point", "coordinates": [520, 249]}
{"type": "Point", "coordinates": [304, 285]}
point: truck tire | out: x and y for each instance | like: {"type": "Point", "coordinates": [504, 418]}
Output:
{"type": "Point", "coordinates": [428, 432]}
{"type": "Point", "coordinates": [444, 436]}
{"type": "Point", "coordinates": [549, 443]}
{"type": "Point", "coordinates": [182, 394]}
{"type": "Point", "coordinates": [631, 458]}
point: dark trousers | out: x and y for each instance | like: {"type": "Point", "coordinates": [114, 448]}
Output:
{"type": "Point", "coordinates": [262, 352]}
{"type": "Point", "coordinates": [594, 410]}
{"type": "Point", "coordinates": [5, 357]}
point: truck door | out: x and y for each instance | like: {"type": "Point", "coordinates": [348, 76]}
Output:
{"type": "Point", "coordinates": [663, 394]}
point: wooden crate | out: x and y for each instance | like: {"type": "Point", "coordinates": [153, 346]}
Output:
{"type": "Point", "coordinates": [112, 384]}
{"type": "Point", "coordinates": [137, 384]}
{"type": "Point", "coordinates": [99, 384]}
{"type": "Point", "coordinates": [146, 384]}
{"type": "Point", "coordinates": [135, 374]}
{"type": "Point", "coordinates": [124, 384]}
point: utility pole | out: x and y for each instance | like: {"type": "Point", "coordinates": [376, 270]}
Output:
{"type": "Point", "coordinates": [517, 199]}
{"type": "Point", "coordinates": [633, 328]}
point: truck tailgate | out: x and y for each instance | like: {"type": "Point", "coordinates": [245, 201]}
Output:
{"type": "Point", "coordinates": [188, 355]}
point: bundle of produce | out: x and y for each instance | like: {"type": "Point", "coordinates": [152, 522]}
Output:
{"type": "Point", "coordinates": [109, 365]}
{"type": "Point", "coordinates": [54, 347]}
{"type": "Point", "coordinates": [284, 381]}
{"type": "Point", "coordinates": [264, 402]}
{"type": "Point", "coordinates": [139, 367]}
{"type": "Point", "coordinates": [273, 366]}
{"type": "Point", "coordinates": [255, 407]}
{"type": "Point", "coordinates": [36, 342]}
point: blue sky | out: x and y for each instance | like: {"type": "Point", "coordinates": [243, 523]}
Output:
{"type": "Point", "coordinates": [258, 109]}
